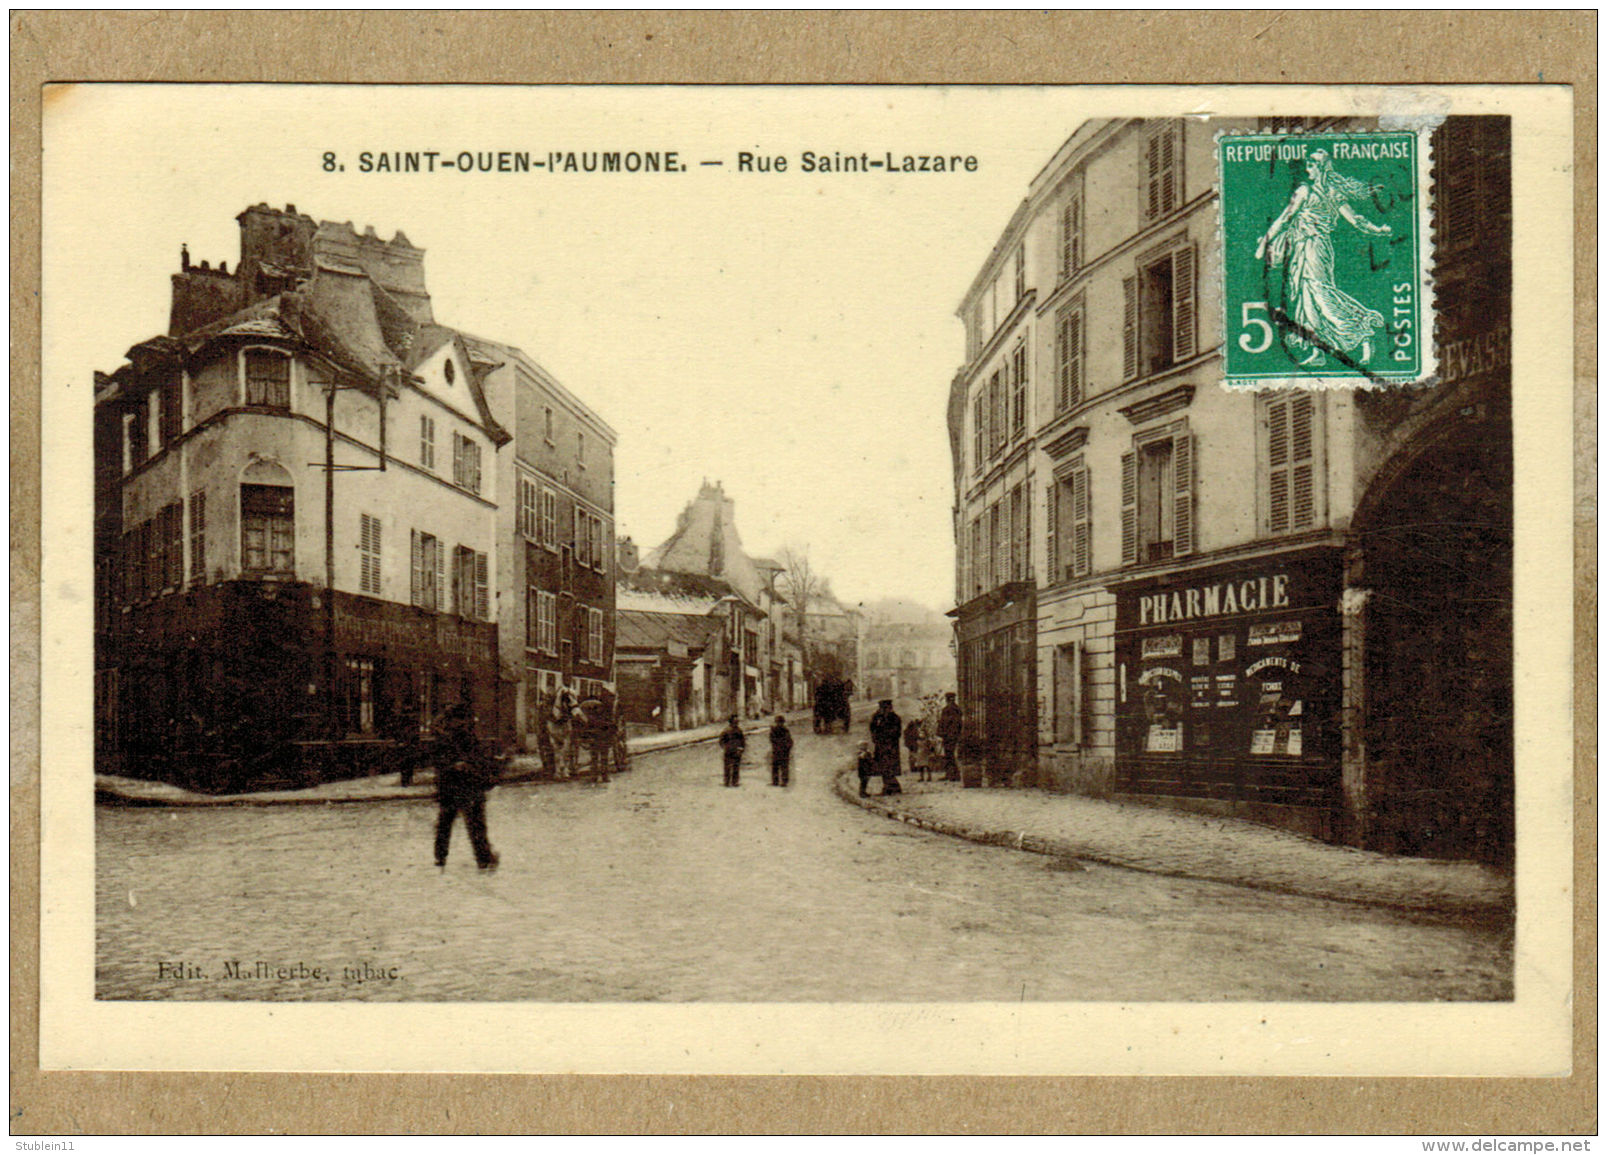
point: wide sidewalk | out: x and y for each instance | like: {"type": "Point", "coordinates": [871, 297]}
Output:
{"type": "Point", "coordinates": [117, 790]}
{"type": "Point", "coordinates": [1163, 841]}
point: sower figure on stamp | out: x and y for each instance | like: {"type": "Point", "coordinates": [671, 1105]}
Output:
{"type": "Point", "coordinates": [464, 771]}
{"type": "Point", "coordinates": [950, 724]}
{"type": "Point", "coordinates": [732, 742]}
{"type": "Point", "coordinates": [886, 728]}
{"type": "Point", "coordinates": [1301, 239]}
{"type": "Point", "coordinates": [780, 753]}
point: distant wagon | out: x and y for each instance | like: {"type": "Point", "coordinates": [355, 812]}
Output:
{"type": "Point", "coordinates": [832, 698]}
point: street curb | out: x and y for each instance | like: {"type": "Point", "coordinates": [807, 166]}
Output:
{"type": "Point", "coordinates": [106, 793]}
{"type": "Point", "coordinates": [1450, 906]}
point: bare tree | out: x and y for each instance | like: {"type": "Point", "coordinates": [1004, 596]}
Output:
{"type": "Point", "coordinates": [803, 587]}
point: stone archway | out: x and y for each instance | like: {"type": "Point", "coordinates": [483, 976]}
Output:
{"type": "Point", "coordinates": [1435, 542]}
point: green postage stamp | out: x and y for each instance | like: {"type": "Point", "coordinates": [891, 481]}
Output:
{"type": "Point", "coordinates": [1326, 259]}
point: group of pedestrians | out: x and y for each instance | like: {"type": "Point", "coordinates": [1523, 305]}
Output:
{"type": "Point", "coordinates": [466, 767]}
{"type": "Point", "coordinates": [928, 753]}
{"type": "Point", "coordinates": [733, 742]}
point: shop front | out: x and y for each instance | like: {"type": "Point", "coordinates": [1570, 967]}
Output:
{"type": "Point", "coordinates": [1228, 689]}
{"type": "Point", "coordinates": [222, 687]}
{"type": "Point", "coordinates": [997, 636]}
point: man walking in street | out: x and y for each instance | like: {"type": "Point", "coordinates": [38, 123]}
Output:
{"type": "Point", "coordinates": [886, 728]}
{"type": "Point", "coordinates": [732, 743]}
{"type": "Point", "coordinates": [780, 753]}
{"type": "Point", "coordinates": [950, 724]}
{"type": "Point", "coordinates": [463, 774]}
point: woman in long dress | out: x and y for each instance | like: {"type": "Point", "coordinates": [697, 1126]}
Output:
{"type": "Point", "coordinates": [1300, 239]}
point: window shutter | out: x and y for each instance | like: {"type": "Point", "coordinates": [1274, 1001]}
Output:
{"type": "Point", "coordinates": [1080, 560]}
{"type": "Point", "coordinates": [440, 577]}
{"type": "Point", "coordinates": [993, 414]}
{"type": "Point", "coordinates": [1129, 328]}
{"type": "Point", "coordinates": [1302, 464]}
{"type": "Point", "coordinates": [1071, 237]}
{"type": "Point", "coordinates": [1183, 306]}
{"type": "Point", "coordinates": [1149, 188]}
{"type": "Point", "coordinates": [1075, 696]}
{"type": "Point", "coordinates": [1051, 523]}
{"type": "Point", "coordinates": [1168, 164]}
{"type": "Point", "coordinates": [482, 587]}
{"type": "Point", "coordinates": [1460, 196]}
{"type": "Point", "coordinates": [1074, 351]}
{"type": "Point", "coordinates": [418, 568]}
{"type": "Point", "coordinates": [1018, 536]}
{"type": "Point", "coordinates": [1278, 466]}
{"type": "Point", "coordinates": [368, 547]}
{"type": "Point", "coordinates": [198, 535]}
{"type": "Point", "coordinates": [1183, 477]}
{"type": "Point", "coordinates": [1129, 508]}
{"type": "Point", "coordinates": [1063, 356]}
{"type": "Point", "coordinates": [1026, 532]}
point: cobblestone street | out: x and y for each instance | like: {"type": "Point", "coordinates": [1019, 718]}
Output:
{"type": "Point", "coordinates": [665, 886]}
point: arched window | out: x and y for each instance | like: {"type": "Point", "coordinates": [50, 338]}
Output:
{"type": "Point", "coordinates": [267, 521]}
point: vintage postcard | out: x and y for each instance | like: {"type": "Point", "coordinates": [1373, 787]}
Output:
{"type": "Point", "coordinates": [807, 580]}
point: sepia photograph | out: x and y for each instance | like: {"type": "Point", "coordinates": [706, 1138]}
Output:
{"type": "Point", "coordinates": [608, 562]}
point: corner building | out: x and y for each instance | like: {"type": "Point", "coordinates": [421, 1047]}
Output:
{"type": "Point", "coordinates": [248, 626]}
{"type": "Point", "coordinates": [258, 615]}
{"type": "Point", "coordinates": [1161, 582]}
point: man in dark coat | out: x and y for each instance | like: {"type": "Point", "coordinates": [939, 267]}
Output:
{"type": "Point", "coordinates": [463, 774]}
{"type": "Point", "coordinates": [886, 728]}
{"type": "Point", "coordinates": [596, 729]}
{"type": "Point", "coordinates": [780, 753]}
{"type": "Point", "coordinates": [732, 743]}
{"type": "Point", "coordinates": [950, 724]}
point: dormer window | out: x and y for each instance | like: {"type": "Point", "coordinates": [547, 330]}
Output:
{"type": "Point", "coordinates": [267, 378]}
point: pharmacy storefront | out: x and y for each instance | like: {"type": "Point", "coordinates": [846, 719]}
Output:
{"type": "Point", "coordinates": [1228, 685]}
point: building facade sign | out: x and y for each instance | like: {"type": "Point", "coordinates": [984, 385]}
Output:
{"type": "Point", "coordinates": [405, 630]}
{"type": "Point", "coordinates": [1228, 683]}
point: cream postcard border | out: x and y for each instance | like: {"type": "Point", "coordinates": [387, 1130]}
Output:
{"type": "Point", "coordinates": [1531, 1035]}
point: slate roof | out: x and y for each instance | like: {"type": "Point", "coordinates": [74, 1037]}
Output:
{"type": "Point", "coordinates": [638, 630]}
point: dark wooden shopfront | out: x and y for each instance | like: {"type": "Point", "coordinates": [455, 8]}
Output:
{"type": "Point", "coordinates": [998, 678]}
{"type": "Point", "coordinates": [1228, 686]}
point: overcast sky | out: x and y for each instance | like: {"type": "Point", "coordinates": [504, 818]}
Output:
{"type": "Point", "coordinates": [791, 335]}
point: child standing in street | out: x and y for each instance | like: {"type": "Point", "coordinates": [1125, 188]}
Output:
{"type": "Point", "coordinates": [867, 768]}
{"type": "Point", "coordinates": [915, 743]}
